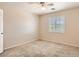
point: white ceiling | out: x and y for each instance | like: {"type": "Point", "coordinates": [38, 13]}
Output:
{"type": "Point", "coordinates": [35, 8]}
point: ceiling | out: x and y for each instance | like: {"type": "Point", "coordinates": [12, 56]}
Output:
{"type": "Point", "coordinates": [35, 7]}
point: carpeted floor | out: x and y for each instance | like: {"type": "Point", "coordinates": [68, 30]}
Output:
{"type": "Point", "coordinates": [41, 49]}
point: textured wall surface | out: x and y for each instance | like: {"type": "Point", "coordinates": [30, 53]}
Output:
{"type": "Point", "coordinates": [71, 34]}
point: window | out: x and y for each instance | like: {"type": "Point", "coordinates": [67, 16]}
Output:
{"type": "Point", "coordinates": [56, 24]}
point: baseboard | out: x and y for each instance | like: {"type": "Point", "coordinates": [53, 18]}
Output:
{"type": "Point", "coordinates": [20, 44]}
{"type": "Point", "coordinates": [1, 51]}
{"type": "Point", "coordinates": [61, 42]}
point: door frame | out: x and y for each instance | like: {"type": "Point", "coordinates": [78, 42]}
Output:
{"type": "Point", "coordinates": [1, 32]}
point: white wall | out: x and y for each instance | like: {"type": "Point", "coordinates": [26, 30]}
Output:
{"type": "Point", "coordinates": [71, 34]}
{"type": "Point", "coordinates": [20, 25]}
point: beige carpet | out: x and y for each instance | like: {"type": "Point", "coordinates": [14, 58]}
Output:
{"type": "Point", "coordinates": [41, 49]}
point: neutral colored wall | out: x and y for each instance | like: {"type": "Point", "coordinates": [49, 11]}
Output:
{"type": "Point", "coordinates": [71, 35]}
{"type": "Point", "coordinates": [20, 25]}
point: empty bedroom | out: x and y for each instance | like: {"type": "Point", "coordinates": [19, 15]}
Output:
{"type": "Point", "coordinates": [39, 29]}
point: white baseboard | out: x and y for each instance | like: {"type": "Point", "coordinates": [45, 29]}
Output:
{"type": "Point", "coordinates": [69, 44]}
{"type": "Point", "coordinates": [1, 51]}
{"type": "Point", "coordinates": [19, 44]}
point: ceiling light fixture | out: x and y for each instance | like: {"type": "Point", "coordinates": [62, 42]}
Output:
{"type": "Point", "coordinates": [44, 5]}
{"type": "Point", "coordinates": [43, 8]}
{"type": "Point", "coordinates": [52, 8]}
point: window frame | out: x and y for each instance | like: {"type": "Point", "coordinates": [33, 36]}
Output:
{"type": "Point", "coordinates": [52, 22]}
